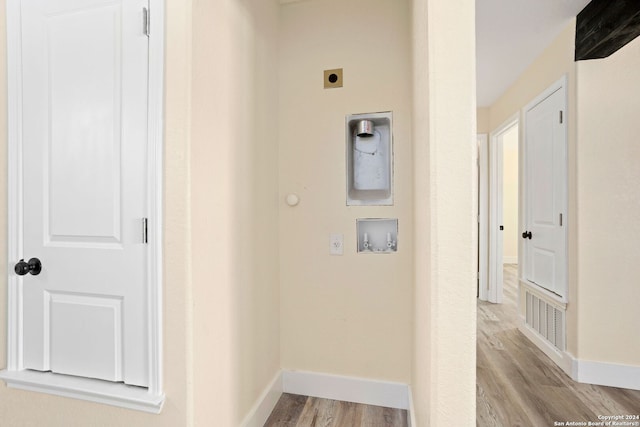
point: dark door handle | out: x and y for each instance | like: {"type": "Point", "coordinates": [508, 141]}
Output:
{"type": "Point", "coordinates": [34, 266]}
{"type": "Point", "coordinates": [526, 235]}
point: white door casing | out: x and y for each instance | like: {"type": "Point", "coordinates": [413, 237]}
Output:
{"type": "Point", "coordinates": [545, 216]}
{"type": "Point", "coordinates": [483, 214]}
{"type": "Point", "coordinates": [496, 223]}
{"type": "Point", "coordinates": [496, 242]}
{"type": "Point", "coordinates": [85, 126]}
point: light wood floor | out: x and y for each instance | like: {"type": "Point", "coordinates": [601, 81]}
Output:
{"type": "Point", "coordinates": [301, 411]}
{"type": "Point", "coordinates": [518, 385]}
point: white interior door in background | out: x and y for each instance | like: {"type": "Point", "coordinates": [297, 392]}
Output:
{"type": "Point", "coordinates": [84, 168]}
{"type": "Point", "coordinates": [544, 233]}
{"type": "Point", "coordinates": [496, 223]}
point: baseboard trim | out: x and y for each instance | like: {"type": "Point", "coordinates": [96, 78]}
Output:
{"type": "Point", "coordinates": [586, 371]}
{"type": "Point", "coordinates": [606, 374]}
{"type": "Point", "coordinates": [348, 389]}
{"type": "Point", "coordinates": [259, 413]}
{"type": "Point", "coordinates": [328, 386]}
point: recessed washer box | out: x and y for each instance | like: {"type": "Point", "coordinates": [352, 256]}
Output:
{"type": "Point", "coordinates": [369, 159]}
{"type": "Point", "coordinates": [377, 235]}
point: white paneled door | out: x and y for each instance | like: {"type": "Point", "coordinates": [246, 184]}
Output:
{"type": "Point", "coordinates": [544, 231]}
{"type": "Point", "coordinates": [84, 176]}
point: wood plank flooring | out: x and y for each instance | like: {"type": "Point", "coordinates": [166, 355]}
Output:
{"type": "Point", "coordinates": [302, 411]}
{"type": "Point", "coordinates": [518, 385]}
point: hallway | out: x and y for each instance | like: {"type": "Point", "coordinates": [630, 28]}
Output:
{"type": "Point", "coordinates": [518, 385]}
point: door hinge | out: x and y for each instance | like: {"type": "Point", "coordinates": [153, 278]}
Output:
{"type": "Point", "coordinates": [560, 220]}
{"type": "Point", "coordinates": [146, 21]}
{"type": "Point", "coordinates": [561, 118]}
{"type": "Point", "coordinates": [145, 230]}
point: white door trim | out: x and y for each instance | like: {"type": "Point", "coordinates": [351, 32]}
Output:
{"type": "Point", "coordinates": [483, 213]}
{"type": "Point", "coordinates": [495, 209]}
{"type": "Point", "coordinates": [94, 390]}
{"type": "Point", "coordinates": [155, 194]}
{"type": "Point", "coordinates": [14, 185]}
{"type": "Point", "coordinates": [523, 220]}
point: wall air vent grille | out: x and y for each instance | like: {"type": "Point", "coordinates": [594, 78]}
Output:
{"type": "Point", "coordinates": [546, 320]}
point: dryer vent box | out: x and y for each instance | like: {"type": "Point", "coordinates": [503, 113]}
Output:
{"type": "Point", "coordinates": [369, 159]}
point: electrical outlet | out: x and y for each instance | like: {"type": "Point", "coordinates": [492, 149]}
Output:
{"type": "Point", "coordinates": [336, 244]}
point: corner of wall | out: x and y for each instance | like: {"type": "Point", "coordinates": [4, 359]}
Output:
{"type": "Point", "coordinates": [443, 383]}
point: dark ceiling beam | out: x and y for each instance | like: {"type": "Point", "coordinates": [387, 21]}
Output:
{"type": "Point", "coordinates": [605, 26]}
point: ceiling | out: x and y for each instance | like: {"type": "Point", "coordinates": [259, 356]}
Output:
{"type": "Point", "coordinates": [510, 34]}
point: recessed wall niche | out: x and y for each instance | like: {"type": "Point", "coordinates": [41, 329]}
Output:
{"type": "Point", "coordinates": [369, 156]}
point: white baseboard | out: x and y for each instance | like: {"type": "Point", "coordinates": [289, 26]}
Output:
{"type": "Point", "coordinates": [259, 413]}
{"type": "Point", "coordinates": [607, 374]}
{"type": "Point", "coordinates": [327, 386]}
{"type": "Point", "coordinates": [348, 389]}
{"type": "Point", "coordinates": [509, 259]}
{"type": "Point", "coordinates": [587, 371]}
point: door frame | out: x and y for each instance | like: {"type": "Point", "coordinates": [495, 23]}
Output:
{"type": "Point", "coordinates": [483, 212]}
{"type": "Point", "coordinates": [496, 239]}
{"type": "Point", "coordinates": [145, 399]}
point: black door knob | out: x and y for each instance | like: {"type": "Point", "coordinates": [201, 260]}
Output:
{"type": "Point", "coordinates": [34, 266]}
{"type": "Point", "coordinates": [526, 235]}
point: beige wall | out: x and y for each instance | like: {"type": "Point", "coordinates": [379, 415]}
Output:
{"type": "Point", "coordinates": [443, 381]}
{"type": "Point", "coordinates": [510, 195]}
{"type": "Point", "coordinates": [351, 314]}
{"type": "Point", "coordinates": [221, 309]}
{"type": "Point", "coordinates": [234, 207]}
{"type": "Point", "coordinates": [422, 376]}
{"type": "Point", "coordinates": [483, 118]}
{"type": "Point", "coordinates": [608, 206]}
{"type": "Point", "coordinates": [549, 67]}
{"type": "Point", "coordinates": [553, 63]}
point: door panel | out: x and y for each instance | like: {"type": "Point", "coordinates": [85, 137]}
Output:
{"type": "Point", "coordinates": [545, 145]}
{"type": "Point", "coordinates": [83, 159]}
{"type": "Point", "coordinates": [85, 68]}
{"type": "Point", "coordinates": [77, 319]}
